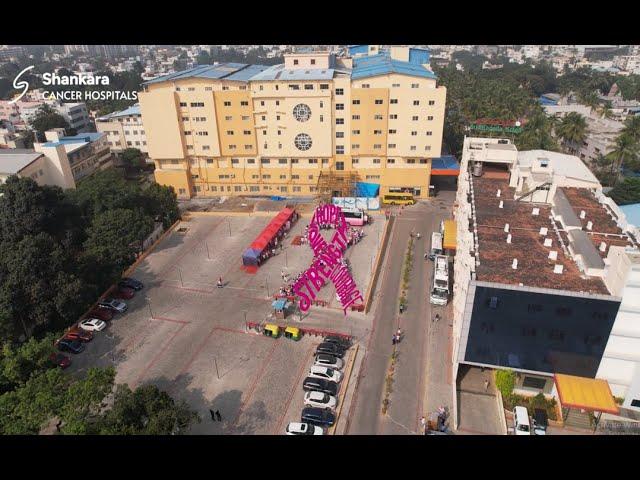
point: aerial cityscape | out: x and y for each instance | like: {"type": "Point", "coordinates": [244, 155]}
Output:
{"type": "Point", "coordinates": [320, 240]}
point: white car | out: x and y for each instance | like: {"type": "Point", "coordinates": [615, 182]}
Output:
{"type": "Point", "coordinates": [92, 325]}
{"type": "Point", "coordinates": [325, 373]}
{"type": "Point", "coordinates": [320, 400]}
{"type": "Point", "coordinates": [296, 428]}
{"type": "Point", "coordinates": [324, 360]}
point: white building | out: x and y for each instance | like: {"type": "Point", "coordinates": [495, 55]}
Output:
{"type": "Point", "coordinates": [124, 130]}
{"type": "Point", "coordinates": [546, 271]}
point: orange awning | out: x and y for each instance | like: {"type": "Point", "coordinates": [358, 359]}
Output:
{"type": "Point", "coordinates": [592, 394]}
{"type": "Point", "coordinates": [450, 235]}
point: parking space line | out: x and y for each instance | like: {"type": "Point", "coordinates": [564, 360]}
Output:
{"type": "Point", "coordinates": [254, 383]}
{"type": "Point", "coordinates": [344, 388]}
{"type": "Point", "coordinates": [158, 355]}
{"type": "Point", "coordinates": [173, 320]}
{"type": "Point", "coordinates": [293, 389]}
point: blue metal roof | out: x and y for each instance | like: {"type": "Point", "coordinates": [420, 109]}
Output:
{"type": "Point", "coordinates": [418, 56]}
{"type": "Point", "coordinates": [227, 71]}
{"type": "Point", "coordinates": [356, 49]}
{"type": "Point", "coordinates": [132, 110]}
{"type": "Point", "coordinates": [383, 64]}
{"type": "Point", "coordinates": [278, 72]}
{"type": "Point", "coordinates": [80, 138]}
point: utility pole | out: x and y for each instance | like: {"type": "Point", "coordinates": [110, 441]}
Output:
{"type": "Point", "coordinates": [266, 284]}
{"type": "Point", "coordinates": [207, 245]}
{"type": "Point", "coordinates": [149, 305]}
{"type": "Point", "coordinates": [229, 224]}
{"type": "Point", "coordinates": [180, 272]}
{"type": "Point", "coordinates": [286, 260]}
{"type": "Point", "coordinates": [215, 362]}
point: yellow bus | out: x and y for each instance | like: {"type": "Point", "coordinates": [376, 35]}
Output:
{"type": "Point", "coordinates": [398, 198]}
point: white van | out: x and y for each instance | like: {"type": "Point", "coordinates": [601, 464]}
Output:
{"type": "Point", "coordinates": [521, 421]}
{"type": "Point", "coordinates": [436, 245]}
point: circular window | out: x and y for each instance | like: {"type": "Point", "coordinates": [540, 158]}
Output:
{"type": "Point", "coordinates": [302, 112]}
{"type": "Point", "coordinates": [303, 141]}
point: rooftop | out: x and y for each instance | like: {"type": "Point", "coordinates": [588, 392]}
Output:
{"type": "Point", "coordinates": [278, 72]}
{"type": "Point", "coordinates": [568, 166]}
{"type": "Point", "coordinates": [534, 267]}
{"type": "Point", "coordinates": [133, 110]}
{"type": "Point", "coordinates": [75, 142]}
{"type": "Point", "coordinates": [383, 64]}
{"type": "Point", "coordinates": [226, 71]}
{"type": "Point", "coordinates": [13, 160]}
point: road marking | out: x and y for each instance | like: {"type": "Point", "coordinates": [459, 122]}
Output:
{"type": "Point", "coordinates": [158, 355]}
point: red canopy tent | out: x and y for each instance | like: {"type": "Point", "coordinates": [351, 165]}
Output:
{"type": "Point", "coordinates": [251, 255]}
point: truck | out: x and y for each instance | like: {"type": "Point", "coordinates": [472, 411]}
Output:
{"type": "Point", "coordinates": [440, 286]}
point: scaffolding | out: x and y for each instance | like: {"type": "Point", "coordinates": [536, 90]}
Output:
{"type": "Point", "coordinates": [332, 183]}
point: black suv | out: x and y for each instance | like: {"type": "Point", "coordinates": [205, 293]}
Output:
{"type": "Point", "coordinates": [131, 283]}
{"type": "Point", "coordinates": [318, 416]}
{"type": "Point", "coordinates": [73, 346]}
{"type": "Point", "coordinates": [339, 341]}
{"type": "Point", "coordinates": [320, 385]}
{"type": "Point", "coordinates": [330, 349]}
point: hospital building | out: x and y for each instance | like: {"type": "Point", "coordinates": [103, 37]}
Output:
{"type": "Point", "coordinates": [319, 124]}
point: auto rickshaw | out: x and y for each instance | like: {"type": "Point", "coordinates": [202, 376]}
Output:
{"type": "Point", "coordinates": [293, 333]}
{"type": "Point", "coordinates": [271, 330]}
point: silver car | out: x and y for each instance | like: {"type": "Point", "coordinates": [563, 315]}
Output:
{"type": "Point", "coordinates": [113, 304]}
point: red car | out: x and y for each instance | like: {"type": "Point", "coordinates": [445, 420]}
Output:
{"type": "Point", "coordinates": [124, 293]}
{"type": "Point", "coordinates": [77, 334]}
{"type": "Point", "coordinates": [103, 314]}
{"type": "Point", "coordinates": [60, 360]}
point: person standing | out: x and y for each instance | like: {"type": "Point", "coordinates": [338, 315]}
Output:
{"type": "Point", "coordinates": [213, 415]}
{"type": "Point", "coordinates": [220, 282]}
{"type": "Point", "coordinates": [218, 416]}
{"type": "Point", "coordinates": [423, 424]}
{"type": "Point", "coordinates": [486, 385]}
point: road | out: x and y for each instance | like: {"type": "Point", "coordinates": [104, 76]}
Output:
{"type": "Point", "coordinates": [408, 400]}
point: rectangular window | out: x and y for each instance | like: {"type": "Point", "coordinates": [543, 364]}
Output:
{"type": "Point", "coordinates": [228, 118]}
{"type": "Point", "coordinates": [323, 86]}
{"type": "Point", "coordinates": [378, 102]}
{"type": "Point", "coordinates": [428, 148]}
{"type": "Point", "coordinates": [355, 160]}
{"type": "Point", "coordinates": [534, 382]}
{"type": "Point", "coordinates": [232, 147]}
{"type": "Point", "coordinates": [297, 189]}
{"type": "Point", "coordinates": [308, 86]}
{"type": "Point", "coordinates": [209, 161]}
{"type": "Point", "coordinates": [413, 134]}
{"type": "Point", "coordinates": [295, 177]}
{"type": "Point", "coordinates": [247, 132]}
{"type": "Point", "coordinates": [392, 131]}
{"type": "Point", "coordinates": [282, 161]}
{"type": "Point", "coordinates": [321, 118]}
{"type": "Point", "coordinates": [294, 87]}
{"type": "Point", "coordinates": [377, 132]}
{"type": "Point", "coordinates": [227, 104]}
{"type": "Point", "coordinates": [339, 121]}
{"type": "Point", "coordinates": [411, 161]}
{"type": "Point", "coordinates": [355, 117]}
{"type": "Point", "coordinates": [414, 118]}
{"type": "Point", "coordinates": [416, 102]}
{"type": "Point", "coordinates": [429, 133]}
{"type": "Point", "coordinates": [235, 161]}
{"type": "Point", "coordinates": [391, 160]}
{"type": "Point", "coordinates": [393, 101]}
{"type": "Point", "coordinates": [187, 132]}
{"type": "Point", "coordinates": [377, 117]}
{"type": "Point", "coordinates": [413, 148]}
{"type": "Point", "coordinates": [376, 160]}
{"type": "Point", "coordinates": [283, 177]}
{"type": "Point", "coordinates": [310, 177]}
{"type": "Point", "coordinates": [430, 117]}
{"type": "Point", "coordinates": [208, 89]}
{"type": "Point", "coordinates": [279, 132]}
{"type": "Point", "coordinates": [340, 149]}
{"type": "Point", "coordinates": [206, 147]}
{"type": "Point", "coordinates": [355, 146]}
{"type": "Point", "coordinates": [264, 160]}
{"type": "Point", "coordinates": [423, 161]}
{"type": "Point", "coordinates": [395, 85]}
{"type": "Point", "coordinates": [266, 177]}
{"type": "Point", "coordinates": [391, 145]}
{"type": "Point", "coordinates": [393, 117]}
{"type": "Point", "coordinates": [339, 134]}
{"type": "Point", "coordinates": [294, 160]}
{"type": "Point", "coordinates": [197, 104]}
{"type": "Point", "coordinates": [355, 132]}
{"type": "Point", "coordinates": [365, 85]}
{"type": "Point", "coordinates": [184, 119]}
{"type": "Point", "coordinates": [414, 85]}
{"type": "Point", "coordinates": [183, 104]}
{"type": "Point", "coordinates": [377, 146]}
{"type": "Point", "coordinates": [244, 103]}
{"type": "Point", "coordinates": [355, 102]}
{"type": "Point", "coordinates": [229, 132]}
{"type": "Point", "coordinates": [262, 103]}
{"type": "Point", "coordinates": [313, 161]}
{"type": "Point", "coordinates": [432, 102]}
{"type": "Point", "coordinates": [339, 91]}
{"type": "Point", "coordinates": [339, 106]}
{"type": "Point", "coordinates": [251, 160]}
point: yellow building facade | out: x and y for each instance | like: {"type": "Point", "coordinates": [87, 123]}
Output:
{"type": "Point", "coordinates": [235, 129]}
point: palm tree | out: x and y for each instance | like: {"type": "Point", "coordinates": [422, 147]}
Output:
{"type": "Point", "coordinates": [572, 129]}
{"type": "Point", "coordinates": [626, 147]}
{"type": "Point", "coordinates": [632, 128]}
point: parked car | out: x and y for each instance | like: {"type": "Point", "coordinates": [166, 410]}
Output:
{"type": "Point", "coordinates": [320, 400]}
{"type": "Point", "coordinates": [521, 421]}
{"type": "Point", "coordinates": [131, 283]}
{"type": "Point", "coordinates": [124, 293]}
{"type": "Point", "coordinates": [73, 346]}
{"type": "Point", "coordinates": [113, 304]}
{"type": "Point", "coordinates": [318, 416]}
{"type": "Point", "coordinates": [339, 341]}
{"type": "Point", "coordinates": [78, 334]}
{"type": "Point", "coordinates": [330, 361]}
{"type": "Point", "coordinates": [296, 428]}
{"type": "Point", "coordinates": [320, 385]}
{"type": "Point", "coordinates": [102, 313]}
{"type": "Point", "coordinates": [92, 325]}
{"type": "Point", "coordinates": [325, 373]}
{"type": "Point", "coordinates": [60, 360]}
{"type": "Point", "coordinates": [330, 349]}
{"type": "Point", "coordinates": [540, 421]}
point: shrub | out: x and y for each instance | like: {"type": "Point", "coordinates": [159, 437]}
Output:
{"type": "Point", "coordinates": [505, 381]}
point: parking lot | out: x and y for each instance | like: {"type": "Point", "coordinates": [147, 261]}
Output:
{"type": "Point", "coordinates": [187, 336]}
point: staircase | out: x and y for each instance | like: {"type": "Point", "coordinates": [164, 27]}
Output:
{"type": "Point", "coordinates": [539, 187]}
{"type": "Point", "coordinates": [577, 419]}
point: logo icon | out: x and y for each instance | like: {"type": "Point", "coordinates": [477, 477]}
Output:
{"type": "Point", "coordinates": [22, 84]}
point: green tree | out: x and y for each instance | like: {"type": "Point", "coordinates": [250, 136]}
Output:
{"type": "Point", "coordinates": [115, 236]}
{"type": "Point", "coordinates": [145, 411]}
{"type": "Point", "coordinates": [505, 382]}
{"type": "Point", "coordinates": [625, 149]}
{"type": "Point", "coordinates": [19, 363]}
{"type": "Point", "coordinates": [161, 201]}
{"type": "Point", "coordinates": [133, 159]}
{"type": "Point", "coordinates": [47, 118]}
{"type": "Point", "coordinates": [536, 133]}
{"type": "Point", "coordinates": [103, 191]}
{"type": "Point", "coordinates": [572, 129]}
{"type": "Point", "coordinates": [626, 192]}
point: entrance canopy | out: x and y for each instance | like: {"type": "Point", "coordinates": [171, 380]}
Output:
{"type": "Point", "coordinates": [446, 165]}
{"type": "Point", "coordinates": [450, 235]}
{"type": "Point", "coordinates": [592, 394]}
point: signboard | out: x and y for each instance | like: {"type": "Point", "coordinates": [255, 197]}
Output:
{"type": "Point", "coordinates": [328, 262]}
{"type": "Point", "coordinates": [494, 125]}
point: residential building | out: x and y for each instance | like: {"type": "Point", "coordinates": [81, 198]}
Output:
{"type": "Point", "coordinates": [8, 136]}
{"type": "Point", "coordinates": [43, 169]}
{"type": "Point", "coordinates": [85, 153]}
{"type": "Point", "coordinates": [124, 129]}
{"type": "Point", "coordinates": [546, 271]}
{"type": "Point", "coordinates": [10, 53]}
{"type": "Point", "coordinates": [372, 115]}
{"type": "Point", "coordinates": [21, 113]}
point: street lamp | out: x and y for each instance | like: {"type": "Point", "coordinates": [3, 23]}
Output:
{"type": "Point", "coordinates": [149, 305]}
{"type": "Point", "coordinates": [207, 245]}
{"type": "Point", "coordinates": [229, 224]}
{"type": "Point", "coordinates": [215, 362]}
{"type": "Point", "coordinates": [266, 284]}
{"type": "Point", "coordinates": [180, 272]}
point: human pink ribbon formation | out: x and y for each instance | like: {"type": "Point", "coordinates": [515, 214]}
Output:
{"type": "Point", "coordinates": [328, 265]}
